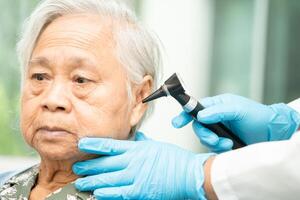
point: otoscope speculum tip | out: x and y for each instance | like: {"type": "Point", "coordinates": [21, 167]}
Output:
{"type": "Point", "coordinates": [157, 94]}
{"type": "Point", "coordinates": [172, 86]}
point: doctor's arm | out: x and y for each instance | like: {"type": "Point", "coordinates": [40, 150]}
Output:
{"type": "Point", "coordinates": [208, 188]}
{"type": "Point", "coordinates": [261, 171]}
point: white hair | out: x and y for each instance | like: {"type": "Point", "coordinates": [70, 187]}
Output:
{"type": "Point", "coordinates": [137, 49]}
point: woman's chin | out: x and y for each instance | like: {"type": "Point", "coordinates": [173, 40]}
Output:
{"type": "Point", "coordinates": [56, 148]}
{"type": "Point", "coordinates": [60, 154]}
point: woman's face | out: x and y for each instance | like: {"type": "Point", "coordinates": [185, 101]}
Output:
{"type": "Point", "coordinates": [74, 88]}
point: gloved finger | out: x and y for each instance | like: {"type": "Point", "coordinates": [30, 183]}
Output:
{"type": "Point", "coordinates": [218, 100]}
{"type": "Point", "coordinates": [181, 120]}
{"type": "Point", "coordinates": [112, 179]}
{"type": "Point", "coordinates": [104, 146]}
{"type": "Point", "coordinates": [220, 113]}
{"type": "Point", "coordinates": [205, 135]}
{"type": "Point", "coordinates": [139, 136]}
{"type": "Point", "coordinates": [212, 101]}
{"type": "Point", "coordinates": [114, 193]}
{"type": "Point", "coordinates": [223, 145]}
{"type": "Point", "coordinates": [99, 165]}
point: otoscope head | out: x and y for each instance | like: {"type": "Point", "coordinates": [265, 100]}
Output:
{"type": "Point", "coordinates": [173, 86]}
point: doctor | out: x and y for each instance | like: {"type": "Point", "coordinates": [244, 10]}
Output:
{"type": "Point", "coordinates": [147, 169]}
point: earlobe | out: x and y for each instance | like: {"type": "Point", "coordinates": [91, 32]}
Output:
{"type": "Point", "coordinates": [140, 92]}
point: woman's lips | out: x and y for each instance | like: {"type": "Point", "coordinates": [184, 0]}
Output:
{"type": "Point", "coordinates": [53, 131]}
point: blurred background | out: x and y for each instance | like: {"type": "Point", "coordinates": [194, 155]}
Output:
{"type": "Point", "coordinates": [246, 47]}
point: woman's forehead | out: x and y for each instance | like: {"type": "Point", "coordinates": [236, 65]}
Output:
{"type": "Point", "coordinates": [77, 38]}
{"type": "Point", "coordinates": [84, 31]}
{"type": "Point", "coordinates": [73, 61]}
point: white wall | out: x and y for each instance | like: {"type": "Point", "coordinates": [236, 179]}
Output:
{"type": "Point", "coordinates": [184, 28]}
{"type": "Point", "coordinates": [11, 163]}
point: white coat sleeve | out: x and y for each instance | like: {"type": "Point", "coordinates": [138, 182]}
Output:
{"type": "Point", "coordinates": [269, 170]}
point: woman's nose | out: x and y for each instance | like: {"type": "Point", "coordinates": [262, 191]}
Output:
{"type": "Point", "coordinates": [57, 99]}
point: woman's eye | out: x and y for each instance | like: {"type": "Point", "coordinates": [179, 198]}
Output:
{"type": "Point", "coordinates": [81, 80]}
{"type": "Point", "coordinates": [39, 76]}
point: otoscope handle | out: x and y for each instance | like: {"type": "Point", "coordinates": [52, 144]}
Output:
{"type": "Point", "coordinates": [192, 106]}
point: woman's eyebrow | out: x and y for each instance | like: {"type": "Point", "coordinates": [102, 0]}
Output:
{"type": "Point", "coordinates": [42, 61]}
{"type": "Point", "coordinates": [82, 62]}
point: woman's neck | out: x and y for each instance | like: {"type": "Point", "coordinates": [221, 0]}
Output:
{"type": "Point", "coordinates": [52, 176]}
{"type": "Point", "coordinates": [55, 174]}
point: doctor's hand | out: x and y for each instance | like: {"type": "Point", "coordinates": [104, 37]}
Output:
{"type": "Point", "coordinates": [140, 170]}
{"type": "Point", "coordinates": [250, 121]}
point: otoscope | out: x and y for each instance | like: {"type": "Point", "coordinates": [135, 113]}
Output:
{"type": "Point", "coordinates": [174, 87]}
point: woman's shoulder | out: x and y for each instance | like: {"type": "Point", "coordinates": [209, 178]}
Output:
{"type": "Point", "coordinates": [6, 175]}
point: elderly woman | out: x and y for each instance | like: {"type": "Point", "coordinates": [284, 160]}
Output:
{"type": "Point", "coordinates": [86, 66]}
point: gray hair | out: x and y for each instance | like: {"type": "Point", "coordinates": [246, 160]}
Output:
{"type": "Point", "coordinates": [137, 49]}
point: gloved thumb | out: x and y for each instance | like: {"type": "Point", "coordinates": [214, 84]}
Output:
{"type": "Point", "coordinates": [104, 146]}
{"type": "Point", "coordinates": [220, 113]}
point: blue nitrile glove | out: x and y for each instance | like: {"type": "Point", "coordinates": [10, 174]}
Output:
{"type": "Point", "coordinates": [251, 121]}
{"type": "Point", "coordinates": [140, 170]}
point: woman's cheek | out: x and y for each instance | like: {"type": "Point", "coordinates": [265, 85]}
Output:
{"type": "Point", "coordinates": [103, 112]}
{"type": "Point", "coordinates": [95, 120]}
{"type": "Point", "coordinates": [86, 90]}
{"type": "Point", "coordinates": [27, 117]}
{"type": "Point", "coordinates": [26, 129]}
{"type": "Point", "coordinates": [33, 88]}
{"type": "Point", "coordinates": [92, 123]}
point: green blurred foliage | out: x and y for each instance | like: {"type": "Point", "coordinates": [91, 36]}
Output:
{"type": "Point", "coordinates": [10, 140]}
{"type": "Point", "coordinates": [13, 13]}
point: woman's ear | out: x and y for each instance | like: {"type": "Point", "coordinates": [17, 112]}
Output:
{"type": "Point", "coordinates": [140, 92]}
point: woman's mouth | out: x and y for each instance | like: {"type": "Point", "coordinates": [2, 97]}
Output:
{"type": "Point", "coordinates": [53, 131]}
